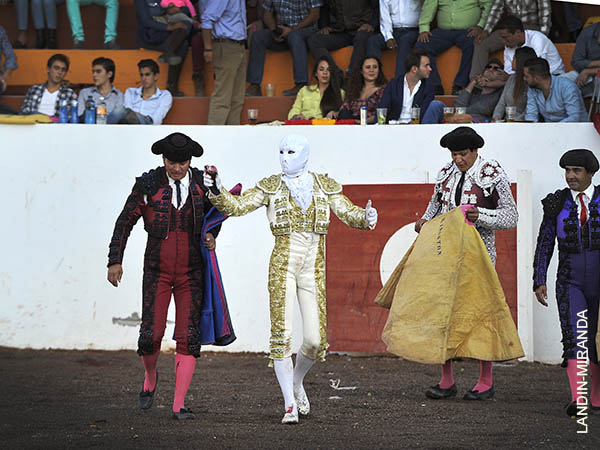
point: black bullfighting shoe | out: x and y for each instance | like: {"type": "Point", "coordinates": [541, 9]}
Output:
{"type": "Point", "coordinates": [184, 414]}
{"type": "Point", "coordinates": [147, 397]}
{"type": "Point", "coordinates": [476, 395]}
{"type": "Point", "coordinates": [436, 392]}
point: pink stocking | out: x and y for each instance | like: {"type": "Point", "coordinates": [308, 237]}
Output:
{"type": "Point", "coordinates": [486, 380]}
{"type": "Point", "coordinates": [572, 372]}
{"type": "Point", "coordinates": [184, 370]}
{"type": "Point", "coordinates": [149, 362]}
{"type": "Point", "coordinates": [595, 372]}
{"type": "Point", "coordinates": [447, 379]}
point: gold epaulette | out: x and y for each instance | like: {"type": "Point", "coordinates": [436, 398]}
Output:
{"type": "Point", "coordinates": [329, 185]}
{"type": "Point", "coordinates": [270, 185]}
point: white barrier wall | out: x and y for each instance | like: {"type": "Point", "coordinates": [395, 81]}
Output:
{"type": "Point", "coordinates": [64, 185]}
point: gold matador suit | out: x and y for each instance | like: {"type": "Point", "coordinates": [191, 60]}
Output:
{"type": "Point", "coordinates": [297, 266]}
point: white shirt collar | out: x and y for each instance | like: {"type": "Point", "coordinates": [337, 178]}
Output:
{"type": "Point", "coordinates": [589, 192]}
{"type": "Point", "coordinates": [185, 181]}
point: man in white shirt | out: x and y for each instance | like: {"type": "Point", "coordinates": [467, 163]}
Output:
{"type": "Point", "coordinates": [147, 104]}
{"type": "Point", "coordinates": [45, 98]}
{"type": "Point", "coordinates": [399, 29]}
{"type": "Point", "coordinates": [514, 35]}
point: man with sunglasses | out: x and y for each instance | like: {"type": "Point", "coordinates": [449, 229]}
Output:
{"type": "Point", "coordinates": [482, 93]}
{"type": "Point", "coordinates": [45, 98]}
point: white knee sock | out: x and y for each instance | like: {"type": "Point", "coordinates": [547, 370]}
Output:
{"type": "Point", "coordinates": [303, 365]}
{"type": "Point", "coordinates": [284, 370]}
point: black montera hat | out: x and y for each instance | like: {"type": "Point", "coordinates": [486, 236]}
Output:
{"type": "Point", "coordinates": [579, 157]}
{"type": "Point", "coordinates": [462, 138]}
{"type": "Point", "coordinates": [177, 147]}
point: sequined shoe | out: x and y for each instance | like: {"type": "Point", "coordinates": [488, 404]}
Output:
{"type": "Point", "coordinates": [290, 416]}
{"type": "Point", "coordinates": [302, 402]}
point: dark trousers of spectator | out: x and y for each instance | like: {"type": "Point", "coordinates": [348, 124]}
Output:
{"type": "Point", "coordinates": [571, 15]}
{"type": "Point", "coordinates": [197, 45]}
{"type": "Point", "coordinates": [440, 41]}
{"type": "Point", "coordinates": [295, 42]}
{"type": "Point", "coordinates": [320, 44]}
{"type": "Point", "coordinates": [405, 40]}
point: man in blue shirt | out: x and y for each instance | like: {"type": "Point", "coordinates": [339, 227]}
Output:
{"type": "Point", "coordinates": [555, 99]}
{"type": "Point", "coordinates": [224, 34]}
{"type": "Point", "coordinates": [146, 105]}
{"type": "Point", "coordinates": [103, 74]}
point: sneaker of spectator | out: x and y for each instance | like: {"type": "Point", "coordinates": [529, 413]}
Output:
{"type": "Point", "coordinates": [459, 23]}
{"type": "Point", "coordinates": [514, 35]}
{"type": "Point", "coordinates": [45, 98]}
{"type": "Point", "coordinates": [586, 59]}
{"type": "Point", "coordinates": [399, 29]}
{"type": "Point", "coordinates": [170, 38]}
{"type": "Point", "coordinates": [110, 27]}
{"type": "Point", "coordinates": [481, 95]}
{"type": "Point", "coordinates": [535, 15]}
{"type": "Point", "coordinates": [288, 26]}
{"type": "Point", "coordinates": [103, 75]}
{"type": "Point", "coordinates": [44, 21]}
{"type": "Point", "coordinates": [147, 104]}
{"type": "Point", "coordinates": [414, 82]}
{"type": "Point", "coordinates": [346, 23]}
{"type": "Point", "coordinates": [551, 98]}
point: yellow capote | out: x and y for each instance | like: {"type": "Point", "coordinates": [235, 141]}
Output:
{"type": "Point", "coordinates": [446, 299]}
{"type": "Point", "coordinates": [29, 119]}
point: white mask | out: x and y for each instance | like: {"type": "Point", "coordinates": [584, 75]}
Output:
{"type": "Point", "coordinates": [294, 151]}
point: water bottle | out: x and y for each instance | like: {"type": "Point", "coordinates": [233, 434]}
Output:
{"type": "Point", "coordinates": [363, 115]}
{"type": "Point", "coordinates": [101, 112]}
{"type": "Point", "coordinates": [90, 110]}
{"type": "Point", "coordinates": [63, 111]}
{"type": "Point", "coordinates": [74, 111]}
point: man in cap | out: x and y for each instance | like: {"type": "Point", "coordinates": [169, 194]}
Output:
{"type": "Point", "coordinates": [571, 216]}
{"type": "Point", "coordinates": [298, 206]}
{"type": "Point", "coordinates": [482, 189]}
{"type": "Point", "coordinates": [172, 200]}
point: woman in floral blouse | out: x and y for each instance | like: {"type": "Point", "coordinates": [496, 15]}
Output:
{"type": "Point", "coordinates": [365, 88]}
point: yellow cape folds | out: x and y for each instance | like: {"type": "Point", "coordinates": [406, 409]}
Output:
{"type": "Point", "coordinates": [24, 120]}
{"type": "Point", "coordinates": [446, 299]}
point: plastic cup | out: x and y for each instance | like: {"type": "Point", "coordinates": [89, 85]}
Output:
{"type": "Point", "coordinates": [415, 115]}
{"type": "Point", "coordinates": [252, 116]}
{"type": "Point", "coordinates": [448, 111]}
{"type": "Point", "coordinates": [381, 116]}
{"type": "Point", "coordinates": [270, 90]}
{"type": "Point", "coordinates": [461, 110]}
{"type": "Point", "coordinates": [511, 113]}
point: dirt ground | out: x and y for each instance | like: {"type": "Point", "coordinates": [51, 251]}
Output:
{"type": "Point", "coordinates": [89, 399]}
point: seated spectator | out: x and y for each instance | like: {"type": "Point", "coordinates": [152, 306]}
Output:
{"type": "Point", "coordinates": [480, 97]}
{"type": "Point", "coordinates": [322, 99]}
{"type": "Point", "coordinates": [6, 68]}
{"type": "Point", "coordinates": [459, 23]}
{"type": "Point", "coordinates": [514, 35]}
{"type": "Point", "coordinates": [412, 89]}
{"type": "Point", "coordinates": [586, 59]}
{"type": "Point", "coordinates": [551, 98]}
{"type": "Point", "coordinates": [146, 105]}
{"type": "Point", "coordinates": [110, 23]}
{"type": "Point", "coordinates": [45, 33]}
{"type": "Point", "coordinates": [515, 89]}
{"type": "Point", "coordinates": [289, 24]}
{"type": "Point", "coordinates": [348, 22]}
{"type": "Point", "coordinates": [399, 29]}
{"type": "Point", "coordinates": [365, 88]}
{"type": "Point", "coordinates": [535, 15]}
{"type": "Point", "coordinates": [172, 39]}
{"type": "Point", "coordinates": [103, 74]}
{"type": "Point", "coordinates": [45, 98]}
{"type": "Point", "coordinates": [178, 11]}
